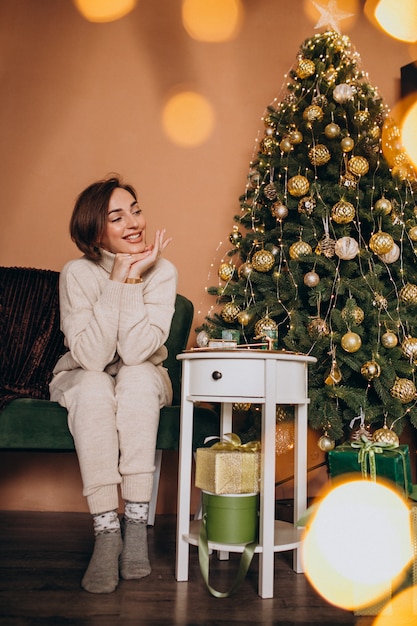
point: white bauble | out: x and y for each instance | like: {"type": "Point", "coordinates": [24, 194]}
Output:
{"type": "Point", "coordinates": [346, 248]}
{"type": "Point", "coordinates": [343, 93]}
{"type": "Point", "coordinates": [391, 256]}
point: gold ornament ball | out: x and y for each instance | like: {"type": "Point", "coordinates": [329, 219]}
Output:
{"type": "Point", "coordinates": [279, 210]}
{"type": "Point", "coordinates": [298, 186]}
{"type": "Point", "coordinates": [243, 318]}
{"type": "Point", "coordinates": [362, 118]}
{"type": "Point", "coordinates": [225, 271]}
{"type": "Point", "coordinates": [355, 315]}
{"type": "Point", "coordinates": [325, 443]}
{"type": "Point", "coordinates": [404, 390]}
{"type": "Point", "coordinates": [319, 154]}
{"type": "Point", "coordinates": [263, 261]}
{"type": "Point", "coordinates": [408, 294]}
{"type": "Point", "coordinates": [370, 370]}
{"type": "Point", "coordinates": [268, 145]}
{"type": "Point", "coordinates": [409, 348]}
{"type": "Point", "coordinates": [245, 270]}
{"type": "Point", "coordinates": [343, 212]}
{"type": "Point", "coordinates": [230, 311]}
{"type": "Point", "coordinates": [235, 237]}
{"type": "Point", "coordinates": [347, 144]}
{"type": "Point", "coordinates": [383, 205]}
{"type": "Point", "coordinates": [305, 68]}
{"type": "Point", "coordinates": [242, 406]}
{"type": "Point", "coordinates": [264, 325]}
{"type": "Point", "coordinates": [285, 145]}
{"type": "Point", "coordinates": [295, 137]}
{"type": "Point", "coordinates": [318, 328]}
{"type": "Point", "coordinates": [386, 435]}
{"type": "Point", "coordinates": [346, 248]}
{"type": "Point", "coordinates": [313, 113]}
{"type": "Point", "coordinates": [299, 249]}
{"type": "Point", "coordinates": [389, 339]}
{"type": "Point", "coordinates": [311, 279]}
{"type": "Point", "coordinates": [358, 165]}
{"type": "Point", "coordinates": [412, 233]}
{"type": "Point", "coordinates": [332, 130]}
{"type": "Point", "coordinates": [351, 342]}
{"type": "Point", "coordinates": [381, 243]}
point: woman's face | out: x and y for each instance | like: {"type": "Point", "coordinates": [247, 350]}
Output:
{"type": "Point", "coordinates": [125, 229]}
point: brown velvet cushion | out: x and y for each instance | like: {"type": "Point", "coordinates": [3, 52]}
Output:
{"type": "Point", "coordinates": [31, 340]}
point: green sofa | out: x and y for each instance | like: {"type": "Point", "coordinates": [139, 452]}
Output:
{"type": "Point", "coordinates": [31, 342]}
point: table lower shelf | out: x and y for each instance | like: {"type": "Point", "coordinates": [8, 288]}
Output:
{"type": "Point", "coordinates": [286, 537]}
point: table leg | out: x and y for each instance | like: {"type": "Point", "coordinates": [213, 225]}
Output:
{"type": "Point", "coordinates": [184, 489]}
{"type": "Point", "coordinates": [300, 472]}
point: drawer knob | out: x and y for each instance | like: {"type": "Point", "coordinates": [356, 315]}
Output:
{"type": "Point", "coordinates": [216, 375]}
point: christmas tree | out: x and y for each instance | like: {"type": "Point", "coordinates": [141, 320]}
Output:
{"type": "Point", "coordinates": [323, 254]}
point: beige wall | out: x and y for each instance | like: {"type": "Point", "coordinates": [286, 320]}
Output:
{"type": "Point", "coordinates": [79, 100]}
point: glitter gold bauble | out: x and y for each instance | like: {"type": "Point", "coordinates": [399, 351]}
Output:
{"type": "Point", "coordinates": [354, 315]}
{"type": "Point", "coordinates": [311, 279]}
{"type": "Point", "coordinates": [230, 311]}
{"type": "Point", "coordinates": [279, 210]}
{"type": "Point", "coordinates": [241, 406]}
{"type": "Point", "coordinates": [264, 325]}
{"type": "Point", "coordinates": [334, 377]}
{"type": "Point", "coordinates": [386, 435]}
{"type": "Point", "coordinates": [263, 261]}
{"type": "Point", "coordinates": [371, 370]}
{"type": "Point", "coordinates": [343, 212]}
{"type": "Point", "coordinates": [347, 144]}
{"type": "Point", "coordinates": [380, 301]}
{"type": "Point", "coordinates": [268, 145]}
{"type": "Point", "coordinates": [409, 348]}
{"type": "Point", "coordinates": [412, 233]}
{"type": "Point", "coordinates": [225, 271]}
{"type": "Point", "coordinates": [330, 74]}
{"type": "Point", "coordinates": [383, 205]}
{"type": "Point", "coordinates": [298, 186]}
{"type": "Point", "coordinates": [295, 137]}
{"type": "Point", "coordinates": [332, 130]}
{"type": "Point", "coordinates": [381, 242]}
{"type": "Point", "coordinates": [389, 339]}
{"type": "Point", "coordinates": [306, 205]}
{"type": "Point", "coordinates": [408, 294]}
{"type": "Point", "coordinates": [245, 270]}
{"type": "Point", "coordinates": [325, 443]}
{"type": "Point", "coordinates": [358, 165]}
{"type": "Point", "coordinates": [318, 328]}
{"type": "Point", "coordinates": [391, 256]}
{"type": "Point", "coordinates": [362, 118]}
{"type": "Point", "coordinates": [319, 154]}
{"type": "Point", "coordinates": [235, 237]}
{"type": "Point", "coordinates": [299, 249]}
{"type": "Point", "coordinates": [404, 390]}
{"type": "Point", "coordinates": [326, 247]}
{"type": "Point", "coordinates": [284, 437]}
{"type": "Point", "coordinates": [313, 113]}
{"type": "Point", "coordinates": [351, 342]}
{"type": "Point", "coordinates": [346, 248]}
{"type": "Point", "coordinates": [305, 68]}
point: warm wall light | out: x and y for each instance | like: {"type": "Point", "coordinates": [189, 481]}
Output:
{"type": "Point", "coordinates": [212, 20]}
{"type": "Point", "coordinates": [409, 131]}
{"type": "Point", "coordinates": [397, 18]}
{"type": "Point", "coordinates": [188, 119]}
{"type": "Point", "coordinates": [358, 541]}
{"type": "Point", "coordinates": [104, 10]}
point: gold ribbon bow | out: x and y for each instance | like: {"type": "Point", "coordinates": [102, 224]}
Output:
{"type": "Point", "coordinates": [231, 441]}
{"type": "Point", "coordinates": [367, 451]}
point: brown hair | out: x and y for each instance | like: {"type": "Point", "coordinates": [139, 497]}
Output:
{"type": "Point", "coordinates": [89, 217]}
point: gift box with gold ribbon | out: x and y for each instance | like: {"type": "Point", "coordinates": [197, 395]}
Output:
{"type": "Point", "coordinates": [229, 466]}
{"type": "Point", "coordinates": [373, 460]}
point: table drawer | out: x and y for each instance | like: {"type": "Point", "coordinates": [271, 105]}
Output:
{"type": "Point", "coordinates": [227, 378]}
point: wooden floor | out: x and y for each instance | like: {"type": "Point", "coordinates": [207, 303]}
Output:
{"type": "Point", "coordinates": [43, 557]}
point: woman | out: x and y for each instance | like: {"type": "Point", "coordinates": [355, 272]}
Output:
{"type": "Point", "coordinates": [116, 304]}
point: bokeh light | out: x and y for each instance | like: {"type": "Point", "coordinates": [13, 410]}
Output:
{"type": "Point", "coordinates": [400, 611]}
{"type": "Point", "coordinates": [357, 543]}
{"type": "Point", "coordinates": [104, 10]}
{"type": "Point", "coordinates": [398, 138]}
{"type": "Point", "coordinates": [212, 20]}
{"type": "Point", "coordinates": [398, 18]}
{"type": "Point", "coordinates": [188, 119]}
{"type": "Point", "coordinates": [409, 130]}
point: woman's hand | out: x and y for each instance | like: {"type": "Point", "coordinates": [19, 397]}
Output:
{"type": "Point", "coordinates": [134, 265]}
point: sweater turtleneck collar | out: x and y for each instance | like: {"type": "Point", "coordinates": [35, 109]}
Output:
{"type": "Point", "coordinates": [106, 260]}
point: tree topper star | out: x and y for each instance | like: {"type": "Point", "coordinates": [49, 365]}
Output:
{"type": "Point", "coordinates": [330, 16]}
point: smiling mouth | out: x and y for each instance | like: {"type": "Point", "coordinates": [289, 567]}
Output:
{"type": "Point", "coordinates": [133, 237]}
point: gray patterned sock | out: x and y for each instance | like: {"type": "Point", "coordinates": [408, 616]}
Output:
{"type": "Point", "coordinates": [134, 560]}
{"type": "Point", "coordinates": [102, 575]}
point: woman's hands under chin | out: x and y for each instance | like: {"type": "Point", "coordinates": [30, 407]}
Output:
{"type": "Point", "coordinates": [134, 265]}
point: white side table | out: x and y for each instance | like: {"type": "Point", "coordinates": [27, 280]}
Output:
{"type": "Point", "coordinates": [261, 377]}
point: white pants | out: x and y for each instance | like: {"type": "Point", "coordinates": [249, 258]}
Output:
{"type": "Point", "coordinates": [114, 422]}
